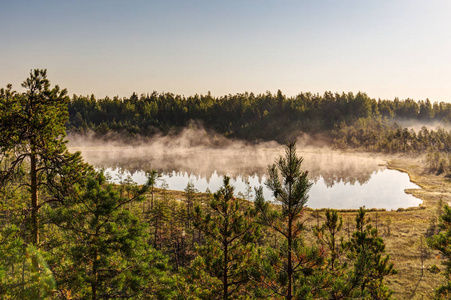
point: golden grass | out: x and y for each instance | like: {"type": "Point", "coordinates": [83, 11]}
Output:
{"type": "Point", "coordinates": [406, 229]}
{"type": "Point", "coordinates": [403, 231]}
{"type": "Point", "coordinates": [409, 227]}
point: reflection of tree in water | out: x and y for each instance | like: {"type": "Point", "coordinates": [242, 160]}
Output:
{"type": "Point", "coordinates": [243, 161]}
{"type": "Point", "coordinates": [360, 178]}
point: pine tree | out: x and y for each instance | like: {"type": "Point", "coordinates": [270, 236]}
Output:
{"type": "Point", "coordinates": [356, 268]}
{"type": "Point", "coordinates": [291, 270]}
{"type": "Point", "coordinates": [158, 218]}
{"type": "Point", "coordinates": [224, 258]}
{"type": "Point", "coordinates": [152, 176]}
{"type": "Point", "coordinates": [32, 139]}
{"type": "Point", "coordinates": [190, 193]}
{"type": "Point", "coordinates": [18, 278]}
{"type": "Point", "coordinates": [328, 234]}
{"type": "Point", "coordinates": [442, 242]}
{"type": "Point", "coordinates": [35, 162]}
{"type": "Point", "coordinates": [365, 251]}
{"type": "Point", "coordinates": [107, 253]}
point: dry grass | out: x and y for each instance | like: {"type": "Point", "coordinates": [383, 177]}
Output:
{"type": "Point", "coordinates": [409, 227]}
{"type": "Point", "coordinates": [406, 229]}
{"type": "Point", "coordinates": [403, 231]}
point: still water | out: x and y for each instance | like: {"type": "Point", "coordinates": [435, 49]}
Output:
{"type": "Point", "coordinates": [340, 179]}
{"type": "Point", "coordinates": [384, 189]}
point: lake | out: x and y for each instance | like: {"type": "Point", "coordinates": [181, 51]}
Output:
{"type": "Point", "coordinates": [340, 180]}
{"type": "Point", "coordinates": [384, 189]}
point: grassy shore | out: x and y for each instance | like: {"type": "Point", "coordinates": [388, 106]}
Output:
{"type": "Point", "coordinates": [404, 231]}
{"type": "Point", "coordinates": [410, 227]}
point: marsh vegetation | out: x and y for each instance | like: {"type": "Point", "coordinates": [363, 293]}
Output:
{"type": "Point", "coordinates": [68, 233]}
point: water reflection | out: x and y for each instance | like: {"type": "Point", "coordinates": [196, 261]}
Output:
{"type": "Point", "coordinates": [384, 189]}
{"type": "Point", "coordinates": [341, 180]}
{"type": "Point", "coordinates": [332, 166]}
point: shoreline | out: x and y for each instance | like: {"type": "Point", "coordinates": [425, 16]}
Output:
{"type": "Point", "coordinates": [403, 230]}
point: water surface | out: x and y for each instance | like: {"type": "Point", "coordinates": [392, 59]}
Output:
{"type": "Point", "coordinates": [384, 189]}
{"type": "Point", "coordinates": [340, 179]}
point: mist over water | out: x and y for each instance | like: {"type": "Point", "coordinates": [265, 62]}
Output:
{"type": "Point", "coordinates": [198, 153]}
{"type": "Point", "coordinates": [416, 125]}
{"type": "Point", "coordinates": [205, 158]}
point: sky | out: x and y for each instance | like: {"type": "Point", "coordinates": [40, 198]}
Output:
{"type": "Point", "coordinates": [388, 49]}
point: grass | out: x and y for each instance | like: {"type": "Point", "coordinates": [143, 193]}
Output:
{"type": "Point", "coordinates": [410, 226]}
{"type": "Point", "coordinates": [404, 231]}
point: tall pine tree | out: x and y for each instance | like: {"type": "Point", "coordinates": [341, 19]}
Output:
{"type": "Point", "coordinates": [291, 270]}
{"type": "Point", "coordinates": [32, 139]}
{"type": "Point", "coordinates": [230, 231]}
{"type": "Point", "coordinates": [35, 164]}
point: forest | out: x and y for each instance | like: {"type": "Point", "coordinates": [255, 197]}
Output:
{"type": "Point", "coordinates": [344, 120]}
{"type": "Point", "coordinates": [245, 116]}
{"type": "Point", "coordinates": [66, 232]}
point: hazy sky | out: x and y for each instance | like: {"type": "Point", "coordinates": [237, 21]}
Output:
{"type": "Point", "coordinates": [108, 47]}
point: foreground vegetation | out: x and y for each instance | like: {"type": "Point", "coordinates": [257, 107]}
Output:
{"type": "Point", "coordinates": [66, 233]}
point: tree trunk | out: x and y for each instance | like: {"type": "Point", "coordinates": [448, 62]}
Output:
{"type": "Point", "coordinates": [155, 234]}
{"type": "Point", "coordinates": [290, 263]}
{"type": "Point", "coordinates": [225, 278]}
{"type": "Point", "coordinates": [34, 201]}
{"type": "Point", "coordinates": [34, 212]}
{"type": "Point", "coordinates": [290, 241]}
{"type": "Point", "coordinates": [94, 274]}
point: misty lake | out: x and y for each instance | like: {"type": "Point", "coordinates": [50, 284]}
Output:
{"type": "Point", "coordinates": [340, 180]}
{"type": "Point", "coordinates": [384, 189]}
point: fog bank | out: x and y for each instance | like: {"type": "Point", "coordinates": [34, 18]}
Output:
{"type": "Point", "coordinates": [416, 125]}
{"type": "Point", "coordinates": [200, 153]}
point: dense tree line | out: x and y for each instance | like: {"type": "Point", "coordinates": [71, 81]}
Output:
{"type": "Point", "coordinates": [382, 135]}
{"type": "Point", "coordinates": [248, 116]}
{"type": "Point", "coordinates": [66, 233]}
{"type": "Point", "coordinates": [346, 120]}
